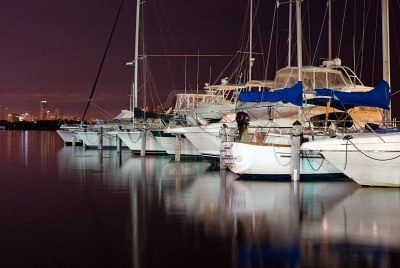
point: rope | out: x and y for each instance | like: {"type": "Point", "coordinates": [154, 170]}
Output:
{"type": "Point", "coordinates": [309, 162]}
{"type": "Point", "coordinates": [129, 136]}
{"type": "Point", "coordinates": [370, 157]}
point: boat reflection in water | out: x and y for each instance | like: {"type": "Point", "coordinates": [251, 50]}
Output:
{"type": "Point", "coordinates": [369, 217]}
{"type": "Point", "coordinates": [120, 169]}
{"type": "Point", "coordinates": [184, 213]}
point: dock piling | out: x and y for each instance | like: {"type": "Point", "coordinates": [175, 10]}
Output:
{"type": "Point", "coordinates": [143, 149]}
{"type": "Point", "coordinates": [295, 151]}
{"type": "Point", "coordinates": [178, 141]}
{"type": "Point", "coordinates": [100, 134]}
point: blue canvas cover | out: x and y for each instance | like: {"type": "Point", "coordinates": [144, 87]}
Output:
{"type": "Point", "coordinates": [293, 95]}
{"type": "Point", "coordinates": [378, 97]}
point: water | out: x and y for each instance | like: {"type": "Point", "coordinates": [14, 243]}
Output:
{"type": "Point", "coordinates": [67, 207]}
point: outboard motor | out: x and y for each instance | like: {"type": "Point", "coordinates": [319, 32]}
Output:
{"type": "Point", "coordinates": [242, 120]}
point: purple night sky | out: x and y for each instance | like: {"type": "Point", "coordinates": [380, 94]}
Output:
{"type": "Point", "coordinates": [51, 50]}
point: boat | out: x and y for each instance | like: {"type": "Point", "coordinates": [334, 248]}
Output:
{"type": "Point", "coordinates": [67, 134]}
{"type": "Point", "coordinates": [268, 152]}
{"type": "Point", "coordinates": [370, 158]}
{"type": "Point", "coordinates": [266, 149]}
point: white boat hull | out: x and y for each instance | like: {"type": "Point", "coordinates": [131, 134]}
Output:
{"type": "Point", "coordinates": [91, 139]}
{"type": "Point", "coordinates": [134, 139]}
{"type": "Point", "coordinates": [187, 148]}
{"type": "Point", "coordinates": [368, 159]}
{"type": "Point", "coordinates": [67, 136]}
{"type": "Point", "coordinates": [271, 160]}
{"type": "Point", "coordinates": [205, 139]}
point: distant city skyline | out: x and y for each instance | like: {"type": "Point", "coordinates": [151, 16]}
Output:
{"type": "Point", "coordinates": [44, 113]}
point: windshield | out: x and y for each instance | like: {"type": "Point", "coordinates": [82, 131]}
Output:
{"type": "Point", "coordinates": [312, 79]}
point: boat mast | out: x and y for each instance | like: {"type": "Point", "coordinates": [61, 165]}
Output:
{"type": "Point", "coordinates": [299, 45]}
{"type": "Point", "coordinates": [330, 30]}
{"type": "Point", "coordinates": [135, 103]}
{"type": "Point", "coordinates": [386, 50]}
{"type": "Point", "coordinates": [251, 39]}
{"type": "Point", "coordinates": [299, 48]}
{"type": "Point", "coordinates": [290, 35]}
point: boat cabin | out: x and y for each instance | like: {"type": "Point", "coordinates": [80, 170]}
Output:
{"type": "Point", "coordinates": [332, 77]}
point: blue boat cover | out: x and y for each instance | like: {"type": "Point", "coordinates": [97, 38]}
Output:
{"type": "Point", "coordinates": [293, 95]}
{"type": "Point", "coordinates": [377, 97]}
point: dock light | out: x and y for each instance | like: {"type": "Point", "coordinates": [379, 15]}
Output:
{"type": "Point", "coordinates": [130, 63]}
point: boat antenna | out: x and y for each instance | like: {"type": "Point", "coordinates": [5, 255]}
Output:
{"type": "Point", "coordinates": [198, 65]}
{"type": "Point", "coordinates": [102, 60]}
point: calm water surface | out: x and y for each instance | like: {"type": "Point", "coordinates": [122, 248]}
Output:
{"type": "Point", "coordinates": [62, 206]}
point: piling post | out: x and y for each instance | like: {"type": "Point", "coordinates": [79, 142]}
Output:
{"type": "Point", "coordinates": [143, 136]}
{"type": "Point", "coordinates": [74, 140]}
{"type": "Point", "coordinates": [100, 134]}
{"type": "Point", "coordinates": [119, 144]}
{"type": "Point", "coordinates": [178, 143]}
{"type": "Point", "coordinates": [295, 151]}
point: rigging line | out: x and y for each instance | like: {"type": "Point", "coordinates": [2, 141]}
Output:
{"type": "Point", "coordinates": [169, 28]}
{"type": "Point", "coordinates": [354, 37]}
{"type": "Point", "coordinates": [225, 69]}
{"type": "Point", "coordinates": [303, 39]}
{"type": "Point", "coordinates": [165, 50]}
{"type": "Point", "coordinates": [361, 52]}
{"type": "Point", "coordinates": [102, 110]}
{"type": "Point", "coordinates": [314, 63]}
{"type": "Point", "coordinates": [341, 30]}
{"type": "Point", "coordinates": [102, 60]}
{"type": "Point", "coordinates": [261, 43]}
{"type": "Point", "coordinates": [270, 42]}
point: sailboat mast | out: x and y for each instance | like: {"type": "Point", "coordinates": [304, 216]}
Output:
{"type": "Point", "coordinates": [251, 39]}
{"type": "Point", "coordinates": [135, 91]}
{"type": "Point", "coordinates": [290, 35]}
{"type": "Point", "coordinates": [299, 45]}
{"type": "Point", "coordinates": [386, 48]}
{"type": "Point", "coordinates": [330, 30]}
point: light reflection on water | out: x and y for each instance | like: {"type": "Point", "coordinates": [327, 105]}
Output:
{"type": "Point", "coordinates": [73, 207]}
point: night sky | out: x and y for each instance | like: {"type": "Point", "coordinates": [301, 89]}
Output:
{"type": "Point", "coordinates": [51, 50]}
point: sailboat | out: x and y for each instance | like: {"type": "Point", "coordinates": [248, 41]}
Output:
{"type": "Point", "coordinates": [371, 159]}
{"type": "Point", "coordinates": [267, 152]}
{"type": "Point", "coordinates": [138, 139]}
{"type": "Point", "coordinates": [205, 123]}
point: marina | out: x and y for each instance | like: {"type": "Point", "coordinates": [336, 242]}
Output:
{"type": "Point", "coordinates": [200, 144]}
{"type": "Point", "coordinates": [67, 206]}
